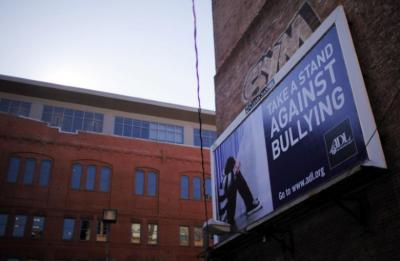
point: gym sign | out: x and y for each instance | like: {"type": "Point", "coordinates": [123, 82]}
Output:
{"type": "Point", "coordinates": [258, 81]}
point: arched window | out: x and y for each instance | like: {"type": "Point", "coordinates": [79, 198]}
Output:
{"type": "Point", "coordinates": [139, 182]}
{"type": "Point", "coordinates": [45, 169]}
{"type": "Point", "coordinates": [196, 188]}
{"type": "Point", "coordinates": [76, 176]}
{"type": "Point", "coordinates": [105, 179]}
{"type": "Point", "coordinates": [90, 177]}
{"type": "Point", "coordinates": [184, 187]}
{"type": "Point", "coordinates": [151, 184]}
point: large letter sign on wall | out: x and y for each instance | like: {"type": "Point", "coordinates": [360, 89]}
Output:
{"type": "Point", "coordinates": [311, 131]}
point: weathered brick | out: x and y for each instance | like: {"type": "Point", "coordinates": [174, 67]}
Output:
{"type": "Point", "coordinates": [241, 36]}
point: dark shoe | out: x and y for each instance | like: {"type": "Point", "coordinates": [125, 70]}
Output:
{"type": "Point", "coordinates": [255, 207]}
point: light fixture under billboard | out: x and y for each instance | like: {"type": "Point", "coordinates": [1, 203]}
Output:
{"type": "Point", "coordinates": [309, 132]}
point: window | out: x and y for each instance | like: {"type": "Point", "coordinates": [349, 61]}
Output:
{"type": "Point", "coordinates": [184, 187]}
{"type": "Point", "coordinates": [135, 233]}
{"type": "Point", "coordinates": [72, 120]}
{"type": "Point", "coordinates": [84, 233]}
{"type": "Point", "coordinates": [131, 128]}
{"type": "Point", "coordinates": [105, 179]}
{"type": "Point", "coordinates": [152, 234]}
{"type": "Point", "coordinates": [76, 176]}
{"type": "Point", "coordinates": [29, 171]}
{"type": "Point", "coordinates": [183, 235]}
{"type": "Point", "coordinates": [151, 184]}
{"type": "Point", "coordinates": [3, 224]}
{"type": "Point", "coordinates": [166, 132]}
{"type": "Point", "coordinates": [13, 169]}
{"type": "Point", "coordinates": [208, 136]}
{"type": "Point", "coordinates": [148, 130]}
{"type": "Point", "coordinates": [102, 231]}
{"type": "Point", "coordinates": [19, 226]}
{"type": "Point", "coordinates": [208, 188]}
{"type": "Point", "coordinates": [37, 227]}
{"type": "Point", "coordinates": [45, 169]}
{"type": "Point", "coordinates": [68, 229]}
{"type": "Point", "coordinates": [139, 182]}
{"type": "Point", "coordinates": [14, 107]}
{"type": "Point", "coordinates": [90, 177]}
{"type": "Point", "coordinates": [150, 177]}
{"type": "Point", "coordinates": [198, 236]}
{"type": "Point", "coordinates": [28, 164]}
{"type": "Point", "coordinates": [196, 188]}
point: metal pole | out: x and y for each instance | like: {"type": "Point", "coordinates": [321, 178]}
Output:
{"type": "Point", "coordinates": [206, 242]}
{"type": "Point", "coordinates": [108, 258]}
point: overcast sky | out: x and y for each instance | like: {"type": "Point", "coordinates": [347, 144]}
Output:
{"type": "Point", "coordinates": [139, 48]}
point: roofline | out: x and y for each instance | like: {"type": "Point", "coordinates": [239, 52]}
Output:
{"type": "Point", "coordinates": [125, 103]}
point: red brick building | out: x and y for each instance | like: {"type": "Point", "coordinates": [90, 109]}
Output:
{"type": "Point", "coordinates": [66, 154]}
{"type": "Point", "coordinates": [357, 219]}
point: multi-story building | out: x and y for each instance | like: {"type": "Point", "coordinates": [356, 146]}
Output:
{"type": "Point", "coordinates": [66, 154]}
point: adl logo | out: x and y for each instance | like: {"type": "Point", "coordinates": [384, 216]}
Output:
{"type": "Point", "coordinates": [340, 144]}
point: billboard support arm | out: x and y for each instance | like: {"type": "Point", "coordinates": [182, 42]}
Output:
{"type": "Point", "coordinates": [357, 208]}
{"type": "Point", "coordinates": [284, 238]}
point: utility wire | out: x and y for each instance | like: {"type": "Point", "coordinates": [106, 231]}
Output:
{"type": "Point", "coordinates": [199, 114]}
{"type": "Point", "coordinates": [378, 124]}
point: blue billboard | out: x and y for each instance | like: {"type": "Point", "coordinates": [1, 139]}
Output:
{"type": "Point", "coordinates": [306, 133]}
{"type": "Point", "coordinates": [311, 123]}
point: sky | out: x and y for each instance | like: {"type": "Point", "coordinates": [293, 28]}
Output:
{"type": "Point", "coordinates": [138, 48]}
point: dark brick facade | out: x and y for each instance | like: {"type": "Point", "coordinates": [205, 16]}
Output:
{"type": "Point", "coordinates": [245, 30]}
{"type": "Point", "coordinates": [57, 201]}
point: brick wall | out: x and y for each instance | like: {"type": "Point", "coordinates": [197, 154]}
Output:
{"type": "Point", "coordinates": [243, 31]}
{"type": "Point", "coordinates": [58, 200]}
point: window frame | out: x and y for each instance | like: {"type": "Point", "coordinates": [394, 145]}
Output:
{"type": "Point", "coordinates": [156, 232]}
{"type": "Point", "coordinates": [90, 177]}
{"type": "Point", "coordinates": [138, 239]}
{"type": "Point", "coordinates": [14, 231]}
{"type": "Point", "coordinates": [3, 225]}
{"type": "Point", "coordinates": [72, 120]}
{"type": "Point", "coordinates": [108, 180]}
{"type": "Point", "coordinates": [208, 188]}
{"type": "Point", "coordinates": [30, 167]}
{"type": "Point", "coordinates": [102, 231]}
{"type": "Point", "coordinates": [199, 229]}
{"type": "Point", "coordinates": [88, 229]}
{"type": "Point", "coordinates": [196, 189]}
{"type": "Point", "coordinates": [184, 193]}
{"type": "Point", "coordinates": [76, 178]}
{"type": "Point", "coordinates": [142, 129]}
{"type": "Point", "coordinates": [139, 188]}
{"type": "Point", "coordinates": [45, 173]}
{"type": "Point", "coordinates": [182, 242]}
{"type": "Point", "coordinates": [15, 107]}
{"type": "Point", "coordinates": [209, 137]}
{"type": "Point", "coordinates": [63, 235]}
{"type": "Point", "coordinates": [11, 169]}
{"type": "Point", "coordinates": [149, 187]}
{"type": "Point", "coordinates": [41, 230]}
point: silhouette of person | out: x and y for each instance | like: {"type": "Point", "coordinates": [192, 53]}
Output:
{"type": "Point", "coordinates": [233, 182]}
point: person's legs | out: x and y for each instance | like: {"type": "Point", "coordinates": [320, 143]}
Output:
{"type": "Point", "coordinates": [231, 205]}
{"type": "Point", "coordinates": [245, 193]}
{"type": "Point", "coordinates": [244, 190]}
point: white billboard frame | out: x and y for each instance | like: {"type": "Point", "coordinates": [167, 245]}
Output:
{"type": "Point", "coordinates": [375, 155]}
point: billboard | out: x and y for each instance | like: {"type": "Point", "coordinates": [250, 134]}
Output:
{"type": "Point", "coordinates": [310, 130]}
